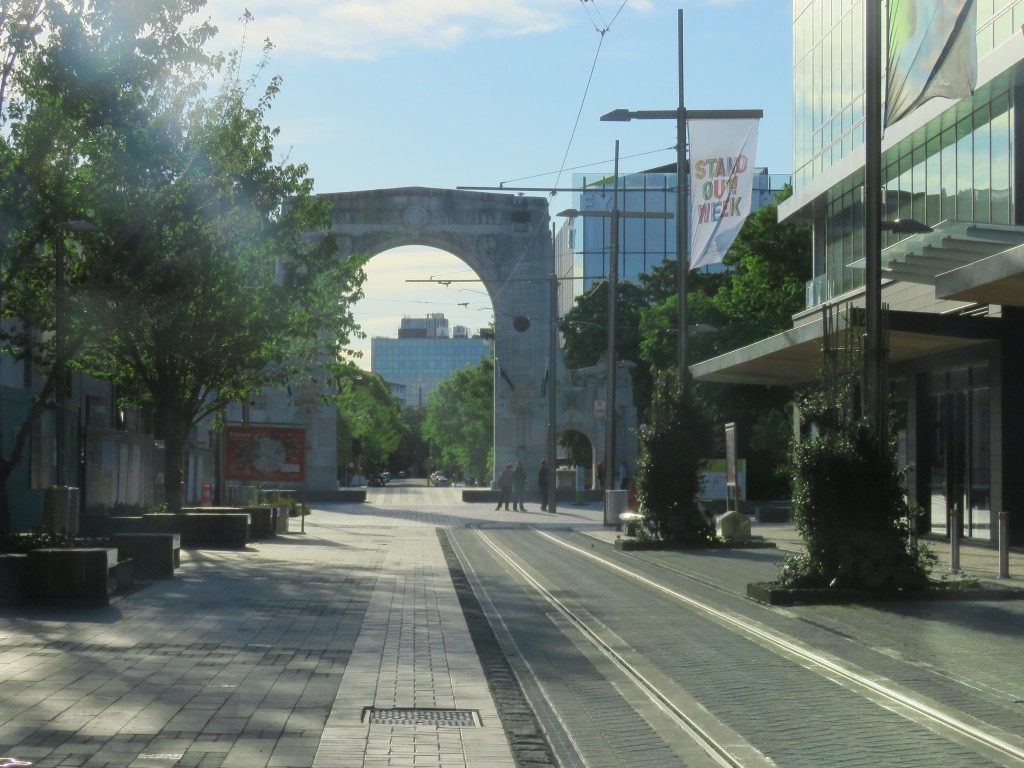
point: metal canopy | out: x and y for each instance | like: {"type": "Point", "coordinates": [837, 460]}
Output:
{"type": "Point", "coordinates": [998, 279]}
{"type": "Point", "coordinates": [794, 357]}
{"type": "Point", "coordinates": [951, 245]}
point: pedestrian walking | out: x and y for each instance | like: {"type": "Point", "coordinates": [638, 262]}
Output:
{"type": "Point", "coordinates": [542, 484]}
{"type": "Point", "coordinates": [504, 486]}
{"type": "Point", "coordinates": [518, 487]}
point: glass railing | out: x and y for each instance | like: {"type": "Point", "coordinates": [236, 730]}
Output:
{"type": "Point", "coordinates": [814, 292]}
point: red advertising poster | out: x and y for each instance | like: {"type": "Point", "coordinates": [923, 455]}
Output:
{"type": "Point", "coordinates": [265, 453]}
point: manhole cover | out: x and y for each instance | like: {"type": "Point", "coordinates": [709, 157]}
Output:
{"type": "Point", "coordinates": [450, 718]}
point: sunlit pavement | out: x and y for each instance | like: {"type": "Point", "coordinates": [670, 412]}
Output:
{"type": "Point", "coordinates": [306, 649]}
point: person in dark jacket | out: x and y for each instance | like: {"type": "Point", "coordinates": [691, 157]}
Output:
{"type": "Point", "coordinates": [518, 487]}
{"type": "Point", "coordinates": [505, 486]}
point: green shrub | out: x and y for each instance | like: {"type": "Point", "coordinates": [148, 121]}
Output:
{"type": "Point", "coordinates": [40, 538]}
{"type": "Point", "coordinates": [295, 508]}
{"type": "Point", "coordinates": [673, 446]}
{"type": "Point", "coordinates": [849, 506]}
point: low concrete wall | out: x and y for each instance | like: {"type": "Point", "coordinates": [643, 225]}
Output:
{"type": "Point", "coordinates": [156, 555]}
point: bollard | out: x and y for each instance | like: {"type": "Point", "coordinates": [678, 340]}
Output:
{"type": "Point", "coordinates": [954, 539]}
{"type": "Point", "coordinates": [1004, 545]}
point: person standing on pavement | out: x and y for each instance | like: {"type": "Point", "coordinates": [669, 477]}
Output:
{"type": "Point", "coordinates": [518, 487]}
{"type": "Point", "coordinates": [542, 484]}
{"type": "Point", "coordinates": [504, 486]}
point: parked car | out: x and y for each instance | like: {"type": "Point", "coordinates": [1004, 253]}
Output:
{"type": "Point", "coordinates": [440, 481]}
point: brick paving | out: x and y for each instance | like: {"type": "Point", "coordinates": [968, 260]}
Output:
{"type": "Point", "coordinates": [271, 656]}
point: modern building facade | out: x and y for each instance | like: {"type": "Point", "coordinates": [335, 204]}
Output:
{"type": "Point", "coordinates": [423, 356]}
{"type": "Point", "coordinates": [582, 245]}
{"type": "Point", "coordinates": [955, 296]}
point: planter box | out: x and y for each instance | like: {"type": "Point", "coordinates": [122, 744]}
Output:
{"type": "Point", "coordinates": [262, 521]}
{"type": "Point", "coordinates": [116, 525]}
{"type": "Point", "coordinates": [12, 576]}
{"type": "Point", "coordinates": [215, 530]}
{"type": "Point", "coordinates": [159, 522]}
{"type": "Point", "coordinates": [87, 573]}
{"type": "Point", "coordinates": [156, 555]}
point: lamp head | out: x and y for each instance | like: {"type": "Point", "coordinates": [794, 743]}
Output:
{"type": "Point", "coordinates": [617, 116]}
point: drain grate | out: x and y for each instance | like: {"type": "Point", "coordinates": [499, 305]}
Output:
{"type": "Point", "coordinates": [447, 718]}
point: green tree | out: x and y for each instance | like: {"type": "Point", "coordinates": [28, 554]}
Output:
{"type": "Point", "coordinates": [199, 287]}
{"type": "Point", "coordinates": [370, 413]}
{"type": "Point", "coordinates": [460, 423]}
{"type": "Point", "coordinates": [755, 296]}
{"type": "Point", "coordinates": [74, 76]}
{"type": "Point", "coordinates": [674, 446]}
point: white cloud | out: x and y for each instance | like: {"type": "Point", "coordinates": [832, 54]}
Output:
{"type": "Point", "coordinates": [370, 29]}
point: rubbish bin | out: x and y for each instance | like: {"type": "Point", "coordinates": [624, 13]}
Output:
{"type": "Point", "coordinates": [615, 503]}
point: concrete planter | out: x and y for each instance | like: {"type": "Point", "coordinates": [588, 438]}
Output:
{"type": "Point", "coordinates": [86, 573]}
{"type": "Point", "coordinates": [156, 555]}
{"type": "Point", "coordinates": [12, 576]}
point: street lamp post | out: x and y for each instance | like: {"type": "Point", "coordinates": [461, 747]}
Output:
{"type": "Point", "coordinates": [681, 115]}
{"type": "Point", "coordinates": [613, 281]}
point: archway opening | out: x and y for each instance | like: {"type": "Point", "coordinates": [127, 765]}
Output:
{"type": "Point", "coordinates": [425, 316]}
{"type": "Point", "coordinates": [413, 282]}
{"type": "Point", "coordinates": [577, 453]}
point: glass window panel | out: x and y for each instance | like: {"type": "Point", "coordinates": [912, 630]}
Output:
{"type": "Point", "coordinates": [964, 168]}
{"type": "Point", "coordinates": [1003, 28]}
{"type": "Point", "coordinates": [933, 177]}
{"type": "Point", "coordinates": [1001, 164]}
{"type": "Point", "coordinates": [948, 182]}
{"type": "Point", "coordinates": [919, 185]}
{"type": "Point", "coordinates": [982, 166]}
{"type": "Point", "coordinates": [905, 210]}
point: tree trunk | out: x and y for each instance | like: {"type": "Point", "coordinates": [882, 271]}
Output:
{"type": "Point", "coordinates": [174, 449]}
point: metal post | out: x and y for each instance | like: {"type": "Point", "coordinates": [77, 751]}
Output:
{"type": "Point", "coordinates": [682, 216]}
{"type": "Point", "coordinates": [874, 384]}
{"type": "Point", "coordinates": [552, 391]}
{"type": "Point", "coordinates": [613, 282]}
{"type": "Point", "coordinates": [1004, 545]}
{"type": "Point", "coordinates": [954, 539]}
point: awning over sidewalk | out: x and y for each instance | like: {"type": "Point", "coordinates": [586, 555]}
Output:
{"type": "Point", "coordinates": [793, 357]}
{"type": "Point", "coordinates": [997, 279]}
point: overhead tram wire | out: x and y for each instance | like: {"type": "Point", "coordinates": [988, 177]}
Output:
{"type": "Point", "coordinates": [579, 113]}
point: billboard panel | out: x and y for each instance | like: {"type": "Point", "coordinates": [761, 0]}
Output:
{"type": "Point", "coordinates": [264, 453]}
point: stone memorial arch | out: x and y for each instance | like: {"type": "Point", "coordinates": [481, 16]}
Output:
{"type": "Point", "coordinates": [506, 240]}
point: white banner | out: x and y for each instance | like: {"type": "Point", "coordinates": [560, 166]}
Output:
{"type": "Point", "coordinates": [721, 179]}
{"type": "Point", "coordinates": [933, 51]}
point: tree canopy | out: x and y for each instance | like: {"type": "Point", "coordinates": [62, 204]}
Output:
{"type": "Point", "coordinates": [370, 413]}
{"type": "Point", "coordinates": [460, 423]}
{"type": "Point", "coordinates": [197, 287]}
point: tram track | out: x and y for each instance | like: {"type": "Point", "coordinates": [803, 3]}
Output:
{"type": "Point", "coordinates": [994, 744]}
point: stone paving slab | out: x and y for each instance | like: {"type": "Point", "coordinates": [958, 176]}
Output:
{"type": "Point", "coordinates": [267, 656]}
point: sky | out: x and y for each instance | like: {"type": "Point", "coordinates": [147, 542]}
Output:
{"type": "Point", "coordinates": [380, 94]}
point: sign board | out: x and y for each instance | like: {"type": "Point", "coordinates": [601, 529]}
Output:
{"type": "Point", "coordinates": [730, 453]}
{"type": "Point", "coordinates": [715, 484]}
{"type": "Point", "coordinates": [600, 408]}
{"type": "Point", "coordinates": [264, 453]}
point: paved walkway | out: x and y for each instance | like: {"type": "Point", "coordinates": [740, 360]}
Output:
{"type": "Point", "coordinates": [344, 646]}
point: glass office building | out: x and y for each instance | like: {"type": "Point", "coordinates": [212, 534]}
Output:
{"type": "Point", "coordinates": [415, 366]}
{"type": "Point", "coordinates": [582, 246]}
{"type": "Point", "coordinates": [954, 296]}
